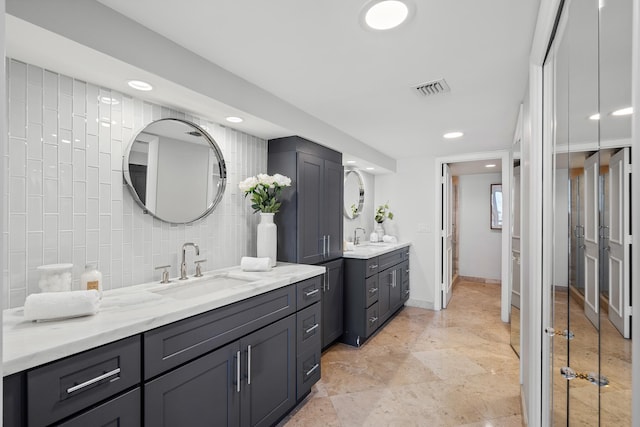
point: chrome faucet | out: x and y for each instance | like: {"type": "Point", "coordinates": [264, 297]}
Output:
{"type": "Point", "coordinates": [356, 239]}
{"type": "Point", "coordinates": [183, 266]}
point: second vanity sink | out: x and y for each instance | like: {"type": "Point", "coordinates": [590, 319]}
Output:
{"type": "Point", "coordinates": [195, 288]}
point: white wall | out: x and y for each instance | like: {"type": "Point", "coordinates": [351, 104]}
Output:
{"type": "Point", "coordinates": [365, 219]}
{"type": "Point", "coordinates": [410, 193]}
{"type": "Point", "coordinates": [64, 193]}
{"type": "Point", "coordinates": [480, 247]}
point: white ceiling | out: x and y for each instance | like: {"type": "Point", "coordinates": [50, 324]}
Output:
{"type": "Point", "coordinates": [316, 56]}
{"type": "Point", "coordinates": [476, 167]}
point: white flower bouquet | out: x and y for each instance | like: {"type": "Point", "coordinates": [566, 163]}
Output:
{"type": "Point", "coordinates": [264, 190]}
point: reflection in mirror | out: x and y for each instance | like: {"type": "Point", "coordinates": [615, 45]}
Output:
{"type": "Point", "coordinates": [496, 206]}
{"type": "Point", "coordinates": [515, 260]}
{"type": "Point", "coordinates": [615, 53]}
{"type": "Point", "coordinates": [175, 171]}
{"type": "Point", "coordinates": [353, 193]}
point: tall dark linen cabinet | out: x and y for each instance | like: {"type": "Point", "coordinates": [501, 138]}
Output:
{"type": "Point", "coordinates": [310, 227]}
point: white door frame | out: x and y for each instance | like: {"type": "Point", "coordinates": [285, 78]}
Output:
{"type": "Point", "coordinates": [507, 171]}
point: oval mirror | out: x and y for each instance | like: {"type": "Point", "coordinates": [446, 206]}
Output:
{"type": "Point", "coordinates": [353, 193]}
{"type": "Point", "coordinates": [175, 171]}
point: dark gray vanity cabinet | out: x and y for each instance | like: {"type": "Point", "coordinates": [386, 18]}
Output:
{"type": "Point", "coordinates": [196, 393]}
{"type": "Point", "coordinates": [14, 400]}
{"type": "Point", "coordinates": [332, 302]}
{"type": "Point", "coordinates": [243, 364]}
{"type": "Point", "coordinates": [250, 382]}
{"type": "Point", "coordinates": [310, 218]}
{"type": "Point", "coordinates": [374, 290]}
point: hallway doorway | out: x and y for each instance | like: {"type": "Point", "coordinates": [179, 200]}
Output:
{"type": "Point", "coordinates": [473, 242]}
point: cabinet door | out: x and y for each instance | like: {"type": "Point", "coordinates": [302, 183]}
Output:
{"type": "Point", "coordinates": [269, 380]}
{"type": "Point", "coordinates": [123, 411]}
{"type": "Point", "coordinates": [333, 202]}
{"type": "Point", "coordinates": [332, 303]}
{"type": "Point", "coordinates": [197, 393]}
{"type": "Point", "coordinates": [14, 402]}
{"type": "Point", "coordinates": [310, 209]}
{"type": "Point", "coordinates": [395, 291]}
{"type": "Point", "coordinates": [385, 280]}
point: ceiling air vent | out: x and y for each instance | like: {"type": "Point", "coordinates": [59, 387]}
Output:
{"type": "Point", "coordinates": [432, 88]}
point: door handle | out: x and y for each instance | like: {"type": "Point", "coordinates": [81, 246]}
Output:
{"type": "Point", "coordinates": [569, 374]}
{"type": "Point", "coordinates": [249, 365]}
{"type": "Point", "coordinates": [324, 245]}
{"type": "Point", "coordinates": [328, 244]}
{"type": "Point", "coordinates": [238, 371]}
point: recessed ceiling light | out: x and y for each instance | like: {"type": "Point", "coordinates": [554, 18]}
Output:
{"type": "Point", "coordinates": [491, 165]}
{"type": "Point", "coordinates": [351, 162]}
{"type": "Point", "coordinates": [139, 85]}
{"type": "Point", "coordinates": [108, 100]}
{"type": "Point", "coordinates": [452, 135]}
{"type": "Point", "coordinates": [385, 14]}
{"type": "Point", "coordinates": [623, 112]}
{"type": "Point", "coordinates": [234, 119]}
{"type": "Point", "coordinates": [595, 116]}
{"type": "Point", "coordinates": [370, 169]}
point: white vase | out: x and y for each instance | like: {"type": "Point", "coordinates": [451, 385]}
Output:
{"type": "Point", "coordinates": [379, 231]}
{"type": "Point", "coordinates": [267, 238]}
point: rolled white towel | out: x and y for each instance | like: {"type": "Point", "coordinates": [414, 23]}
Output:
{"type": "Point", "coordinates": [389, 239]}
{"type": "Point", "coordinates": [60, 305]}
{"type": "Point", "coordinates": [248, 263]}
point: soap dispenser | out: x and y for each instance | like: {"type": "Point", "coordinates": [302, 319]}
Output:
{"type": "Point", "coordinates": [91, 278]}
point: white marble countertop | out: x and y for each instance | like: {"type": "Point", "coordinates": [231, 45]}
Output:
{"type": "Point", "coordinates": [369, 250]}
{"type": "Point", "coordinates": [128, 311]}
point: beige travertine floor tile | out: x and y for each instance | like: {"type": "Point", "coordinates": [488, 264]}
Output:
{"type": "Point", "coordinates": [449, 368]}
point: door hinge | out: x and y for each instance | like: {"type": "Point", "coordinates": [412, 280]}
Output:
{"type": "Point", "coordinates": [628, 239]}
{"type": "Point", "coordinates": [630, 310]}
{"type": "Point", "coordinates": [628, 168]}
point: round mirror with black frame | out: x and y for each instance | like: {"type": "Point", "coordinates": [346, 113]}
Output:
{"type": "Point", "coordinates": [175, 171]}
{"type": "Point", "coordinates": [353, 193]}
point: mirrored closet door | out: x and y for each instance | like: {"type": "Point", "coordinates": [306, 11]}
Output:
{"type": "Point", "coordinates": [588, 116]}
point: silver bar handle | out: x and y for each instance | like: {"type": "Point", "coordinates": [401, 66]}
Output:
{"type": "Point", "coordinates": [328, 281]}
{"type": "Point", "coordinates": [328, 244]}
{"type": "Point", "coordinates": [238, 371]}
{"type": "Point", "coordinates": [311, 329]}
{"type": "Point", "coordinates": [93, 380]}
{"type": "Point", "coordinates": [312, 370]}
{"type": "Point", "coordinates": [324, 245]}
{"type": "Point", "coordinates": [373, 319]}
{"type": "Point", "coordinates": [248, 365]}
{"type": "Point", "coordinates": [372, 266]}
{"type": "Point", "coordinates": [311, 293]}
{"type": "Point", "coordinates": [373, 290]}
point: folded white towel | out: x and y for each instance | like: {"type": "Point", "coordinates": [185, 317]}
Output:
{"type": "Point", "coordinates": [389, 239]}
{"type": "Point", "coordinates": [59, 305]}
{"type": "Point", "coordinates": [248, 263]}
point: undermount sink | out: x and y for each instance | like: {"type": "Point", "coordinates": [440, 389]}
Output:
{"type": "Point", "coordinates": [208, 285]}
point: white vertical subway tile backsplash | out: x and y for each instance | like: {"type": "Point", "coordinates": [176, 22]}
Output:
{"type": "Point", "coordinates": [65, 199]}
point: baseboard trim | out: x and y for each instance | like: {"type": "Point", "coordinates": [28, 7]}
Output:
{"type": "Point", "coordinates": [419, 303]}
{"type": "Point", "coordinates": [479, 280]}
